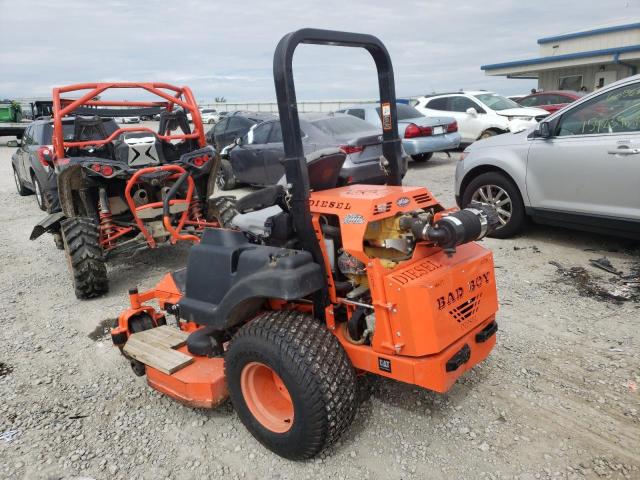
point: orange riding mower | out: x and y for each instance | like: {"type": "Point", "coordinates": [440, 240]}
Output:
{"type": "Point", "coordinates": [112, 181]}
{"type": "Point", "coordinates": [314, 283]}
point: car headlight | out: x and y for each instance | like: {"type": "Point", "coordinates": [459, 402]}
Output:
{"type": "Point", "coordinates": [526, 119]}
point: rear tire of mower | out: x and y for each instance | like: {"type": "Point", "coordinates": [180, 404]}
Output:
{"type": "Point", "coordinates": [316, 373]}
{"type": "Point", "coordinates": [85, 257]}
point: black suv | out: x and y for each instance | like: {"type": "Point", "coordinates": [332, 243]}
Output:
{"type": "Point", "coordinates": [31, 172]}
{"type": "Point", "coordinates": [234, 125]}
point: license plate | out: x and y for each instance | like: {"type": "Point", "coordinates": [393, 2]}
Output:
{"type": "Point", "coordinates": [438, 130]}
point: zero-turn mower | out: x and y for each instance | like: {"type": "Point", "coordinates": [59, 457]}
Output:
{"type": "Point", "coordinates": [359, 278]}
{"type": "Point", "coordinates": [111, 180]}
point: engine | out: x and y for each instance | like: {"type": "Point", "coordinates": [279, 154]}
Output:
{"type": "Point", "coordinates": [392, 241]}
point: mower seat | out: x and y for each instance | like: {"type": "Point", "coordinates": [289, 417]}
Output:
{"type": "Point", "coordinates": [256, 222]}
{"type": "Point", "coordinates": [263, 198]}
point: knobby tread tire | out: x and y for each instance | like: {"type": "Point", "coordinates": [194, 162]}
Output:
{"type": "Point", "coordinates": [315, 369]}
{"type": "Point", "coordinates": [223, 209]}
{"type": "Point", "coordinates": [84, 254]}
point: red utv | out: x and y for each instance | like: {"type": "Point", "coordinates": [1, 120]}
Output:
{"type": "Point", "coordinates": [124, 189]}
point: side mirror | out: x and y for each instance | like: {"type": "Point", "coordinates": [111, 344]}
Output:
{"type": "Point", "coordinates": [544, 130]}
{"type": "Point", "coordinates": [472, 111]}
{"type": "Point", "coordinates": [238, 141]}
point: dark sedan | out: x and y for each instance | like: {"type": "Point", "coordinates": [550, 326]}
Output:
{"type": "Point", "coordinates": [232, 126]}
{"type": "Point", "coordinates": [256, 160]}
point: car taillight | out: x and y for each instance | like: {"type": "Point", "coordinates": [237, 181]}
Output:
{"type": "Point", "coordinates": [107, 171]}
{"type": "Point", "coordinates": [96, 168]}
{"type": "Point", "coordinates": [413, 131]}
{"type": "Point", "coordinates": [45, 156]}
{"type": "Point", "coordinates": [349, 149]}
{"type": "Point", "coordinates": [452, 127]}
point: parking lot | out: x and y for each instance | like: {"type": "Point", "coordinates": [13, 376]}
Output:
{"type": "Point", "coordinates": [557, 398]}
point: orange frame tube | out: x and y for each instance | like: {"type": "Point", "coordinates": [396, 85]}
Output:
{"type": "Point", "coordinates": [94, 89]}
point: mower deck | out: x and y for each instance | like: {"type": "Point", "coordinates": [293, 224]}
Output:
{"type": "Point", "coordinates": [199, 384]}
{"type": "Point", "coordinates": [193, 380]}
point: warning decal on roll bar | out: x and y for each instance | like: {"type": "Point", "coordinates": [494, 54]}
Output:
{"type": "Point", "coordinates": [386, 116]}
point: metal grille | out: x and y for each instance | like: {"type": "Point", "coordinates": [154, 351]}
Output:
{"type": "Point", "coordinates": [466, 310]}
{"type": "Point", "coordinates": [422, 198]}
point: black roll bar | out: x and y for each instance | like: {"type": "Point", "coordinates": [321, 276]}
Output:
{"type": "Point", "coordinates": [294, 160]}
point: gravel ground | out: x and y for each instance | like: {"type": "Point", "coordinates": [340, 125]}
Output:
{"type": "Point", "coordinates": [557, 398]}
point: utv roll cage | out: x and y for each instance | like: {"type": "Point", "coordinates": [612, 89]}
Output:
{"type": "Point", "coordinates": [170, 95]}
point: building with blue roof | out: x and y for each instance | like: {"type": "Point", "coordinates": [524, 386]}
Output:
{"type": "Point", "coordinates": [589, 58]}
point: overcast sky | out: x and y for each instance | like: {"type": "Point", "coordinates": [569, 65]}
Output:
{"type": "Point", "coordinates": [225, 48]}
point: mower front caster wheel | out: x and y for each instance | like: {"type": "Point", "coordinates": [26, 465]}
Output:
{"type": "Point", "coordinates": [291, 383]}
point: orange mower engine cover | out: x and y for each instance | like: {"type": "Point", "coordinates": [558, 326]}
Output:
{"type": "Point", "coordinates": [310, 283]}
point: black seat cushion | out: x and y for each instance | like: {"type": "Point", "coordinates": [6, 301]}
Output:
{"type": "Point", "coordinates": [263, 198]}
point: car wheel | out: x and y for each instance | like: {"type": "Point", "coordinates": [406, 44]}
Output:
{"type": "Point", "coordinates": [496, 189]}
{"type": "Point", "coordinates": [422, 157]}
{"type": "Point", "coordinates": [487, 134]}
{"type": "Point", "coordinates": [40, 198]}
{"type": "Point", "coordinates": [22, 190]}
{"type": "Point", "coordinates": [225, 179]}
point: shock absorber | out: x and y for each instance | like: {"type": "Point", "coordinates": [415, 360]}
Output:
{"type": "Point", "coordinates": [107, 227]}
{"type": "Point", "coordinates": [467, 225]}
{"type": "Point", "coordinates": [195, 208]}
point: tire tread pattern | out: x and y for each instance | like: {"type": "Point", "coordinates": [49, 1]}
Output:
{"type": "Point", "coordinates": [316, 358]}
{"type": "Point", "coordinates": [82, 244]}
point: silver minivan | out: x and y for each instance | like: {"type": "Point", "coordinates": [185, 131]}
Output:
{"type": "Point", "coordinates": [579, 168]}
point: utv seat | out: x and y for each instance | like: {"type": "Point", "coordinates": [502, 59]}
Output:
{"type": "Point", "coordinates": [170, 121]}
{"type": "Point", "coordinates": [88, 129]}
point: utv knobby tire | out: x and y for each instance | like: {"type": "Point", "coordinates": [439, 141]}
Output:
{"type": "Point", "coordinates": [315, 370]}
{"type": "Point", "coordinates": [223, 209]}
{"type": "Point", "coordinates": [85, 257]}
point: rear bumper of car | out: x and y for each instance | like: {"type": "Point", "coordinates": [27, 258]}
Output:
{"type": "Point", "coordinates": [367, 172]}
{"type": "Point", "coordinates": [437, 143]}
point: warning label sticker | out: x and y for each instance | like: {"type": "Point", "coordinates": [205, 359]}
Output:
{"type": "Point", "coordinates": [386, 116]}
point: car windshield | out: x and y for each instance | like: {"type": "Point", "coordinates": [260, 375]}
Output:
{"type": "Point", "coordinates": [496, 102]}
{"type": "Point", "coordinates": [341, 125]}
{"type": "Point", "coordinates": [404, 111]}
{"type": "Point", "coordinates": [207, 110]}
